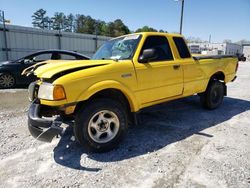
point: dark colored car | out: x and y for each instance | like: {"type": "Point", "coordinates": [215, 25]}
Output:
{"type": "Point", "coordinates": [11, 71]}
{"type": "Point", "coordinates": [241, 57]}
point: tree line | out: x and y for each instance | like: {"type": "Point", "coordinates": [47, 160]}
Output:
{"type": "Point", "coordinates": [80, 23]}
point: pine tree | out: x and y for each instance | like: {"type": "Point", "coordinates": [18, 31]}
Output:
{"type": "Point", "coordinates": [39, 19]}
{"type": "Point", "coordinates": [70, 23]}
{"type": "Point", "coordinates": [59, 21]}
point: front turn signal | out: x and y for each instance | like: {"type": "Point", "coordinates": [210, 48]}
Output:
{"type": "Point", "coordinates": [59, 93]}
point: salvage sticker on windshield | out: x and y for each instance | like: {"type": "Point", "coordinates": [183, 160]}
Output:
{"type": "Point", "coordinates": [131, 37]}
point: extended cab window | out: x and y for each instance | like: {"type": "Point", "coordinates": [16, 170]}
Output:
{"type": "Point", "coordinates": [181, 47]}
{"type": "Point", "coordinates": [161, 45]}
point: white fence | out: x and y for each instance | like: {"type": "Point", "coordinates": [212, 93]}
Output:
{"type": "Point", "coordinates": [25, 40]}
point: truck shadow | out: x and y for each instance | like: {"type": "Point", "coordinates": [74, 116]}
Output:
{"type": "Point", "coordinates": [160, 126]}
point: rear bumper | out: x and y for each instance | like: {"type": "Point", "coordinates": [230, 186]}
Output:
{"type": "Point", "coordinates": [41, 128]}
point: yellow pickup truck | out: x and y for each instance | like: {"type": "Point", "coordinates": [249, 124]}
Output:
{"type": "Point", "coordinates": [125, 75]}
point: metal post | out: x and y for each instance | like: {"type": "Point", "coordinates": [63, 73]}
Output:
{"type": "Point", "coordinates": [59, 40]}
{"type": "Point", "coordinates": [182, 10]}
{"type": "Point", "coordinates": [96, 39]}
{"type": "Point", "coordinates": [59, 37]}
{"type": "Point", "coordinates": [5, 37]}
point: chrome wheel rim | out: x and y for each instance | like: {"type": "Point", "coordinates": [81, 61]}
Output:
{"type": "Point", "coordinates": [103, 126]}
{"type": "Point", "coordinates": [6, 81]}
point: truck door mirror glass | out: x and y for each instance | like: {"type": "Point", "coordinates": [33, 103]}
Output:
{"type": "Point", "coordinates": [148, 55]}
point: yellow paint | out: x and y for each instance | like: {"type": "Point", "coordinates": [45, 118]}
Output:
{"type": "Point", "coordinates": [147, 84]}
{"type": "Point", "coordinates": [69, 110]}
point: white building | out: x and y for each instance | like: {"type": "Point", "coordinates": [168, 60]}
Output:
{"type": "Point", "coordinates": [246, 51]}
{"type": "Point", "coordinates": [194, 48]}
{"type": "Point", "coordinates": [215, 48]}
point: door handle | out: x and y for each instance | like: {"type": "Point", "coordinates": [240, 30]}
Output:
{"type": "Point", "coordinates": [176, 66]}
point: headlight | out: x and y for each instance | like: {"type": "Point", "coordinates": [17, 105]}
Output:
{"type": "Point", "coordinates": [51, 92]}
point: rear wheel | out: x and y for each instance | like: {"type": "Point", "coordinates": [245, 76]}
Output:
{"type": "Point", "coordinates": [101, 124]}
{"type": "Point", "coordinates": [213, 96]}
{"type": "Point", "coordinates": [7, 80]}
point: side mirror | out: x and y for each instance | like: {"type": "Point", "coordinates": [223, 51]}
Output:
{"type": "Point", "coordinates": [28, 61]}
{"type": "Point", "coordinates": [25, 61]}
{"type": "Point", "coordinates": [148, 55]}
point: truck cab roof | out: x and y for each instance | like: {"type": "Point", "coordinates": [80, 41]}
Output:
{"type": "Point", "coordinates": [156, 33]}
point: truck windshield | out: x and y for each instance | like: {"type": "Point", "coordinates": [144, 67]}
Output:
{"type": "Point", "coordinates": [118, 49]}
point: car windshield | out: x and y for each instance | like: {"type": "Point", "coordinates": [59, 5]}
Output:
{"type": "Point", "coordinates": [21, 60]}
{"type": "Point", "coordinates": [118, 49]}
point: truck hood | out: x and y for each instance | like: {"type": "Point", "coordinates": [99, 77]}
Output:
{"type": "Point", "coordinates": [49, 68]}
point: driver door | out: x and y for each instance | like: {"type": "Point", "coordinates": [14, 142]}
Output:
{"type": "Point", "coordinates": [161, 77]}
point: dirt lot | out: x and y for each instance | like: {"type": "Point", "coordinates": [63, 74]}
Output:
{"type": "Point", "coordinates": [178, 144]}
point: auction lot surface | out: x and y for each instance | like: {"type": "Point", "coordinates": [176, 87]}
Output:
{"type": "Point", "coordinates": [178, 144]}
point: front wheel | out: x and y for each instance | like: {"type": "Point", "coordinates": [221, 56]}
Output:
{"type": "Point", "coordinates": [213, 96]}
{"type": "Point", "coordinates": [6, 80]}
{"type": "Point", "coordinates": [101, 124]}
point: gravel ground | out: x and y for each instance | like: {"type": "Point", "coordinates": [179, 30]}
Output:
{"type": "Point", "coordinates": [178, 144]}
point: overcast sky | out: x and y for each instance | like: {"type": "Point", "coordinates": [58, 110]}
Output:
{"type": "Point", "coordinates": [223, 19]}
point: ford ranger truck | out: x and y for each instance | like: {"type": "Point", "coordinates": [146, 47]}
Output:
{"type": "Point", "coordinates": [129, 73]}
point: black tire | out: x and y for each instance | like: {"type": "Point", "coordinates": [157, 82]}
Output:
{"type": "Point", "coordinates": [88, 115]}
{"type": "Point", "coordinates": [213, 96]}
{"type": "Point", "coordinates": [7, 81]}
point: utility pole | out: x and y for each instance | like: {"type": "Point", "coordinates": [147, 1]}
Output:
{"type": "Point", "coordinates": [182, 10]}
{"type": "Point", "coordinates": [4, 32]}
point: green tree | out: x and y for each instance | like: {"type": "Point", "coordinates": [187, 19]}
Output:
{"type": "Point", "coordinates": [85, 24]}
{"type": "Point", "coordinates": [48, 23]}
{"type": "Point", "coordinates": [110, 29]}
{"type": "Point", "coordinates": [89, 25]}
{"type": "Point", "coordinates": [79, 22]}
{"type": "Point", "coordinates": [100, 27]}
{"type": "Point", "coordinates": [120, 28]}
{"type": "Point", "coordinates": [40, 19]}
{"type": "Point", "coordinates": [59, 21]}
{"type": "Point", "coordinates": [70, 23]}
{"type": "Point", "coordinates": [162, 31]}
{"type": "Point", "coordinates": [146, 29]}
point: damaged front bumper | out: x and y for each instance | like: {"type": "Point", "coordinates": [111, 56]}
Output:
{"type": "Point", "coordinates": [42, 128]}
